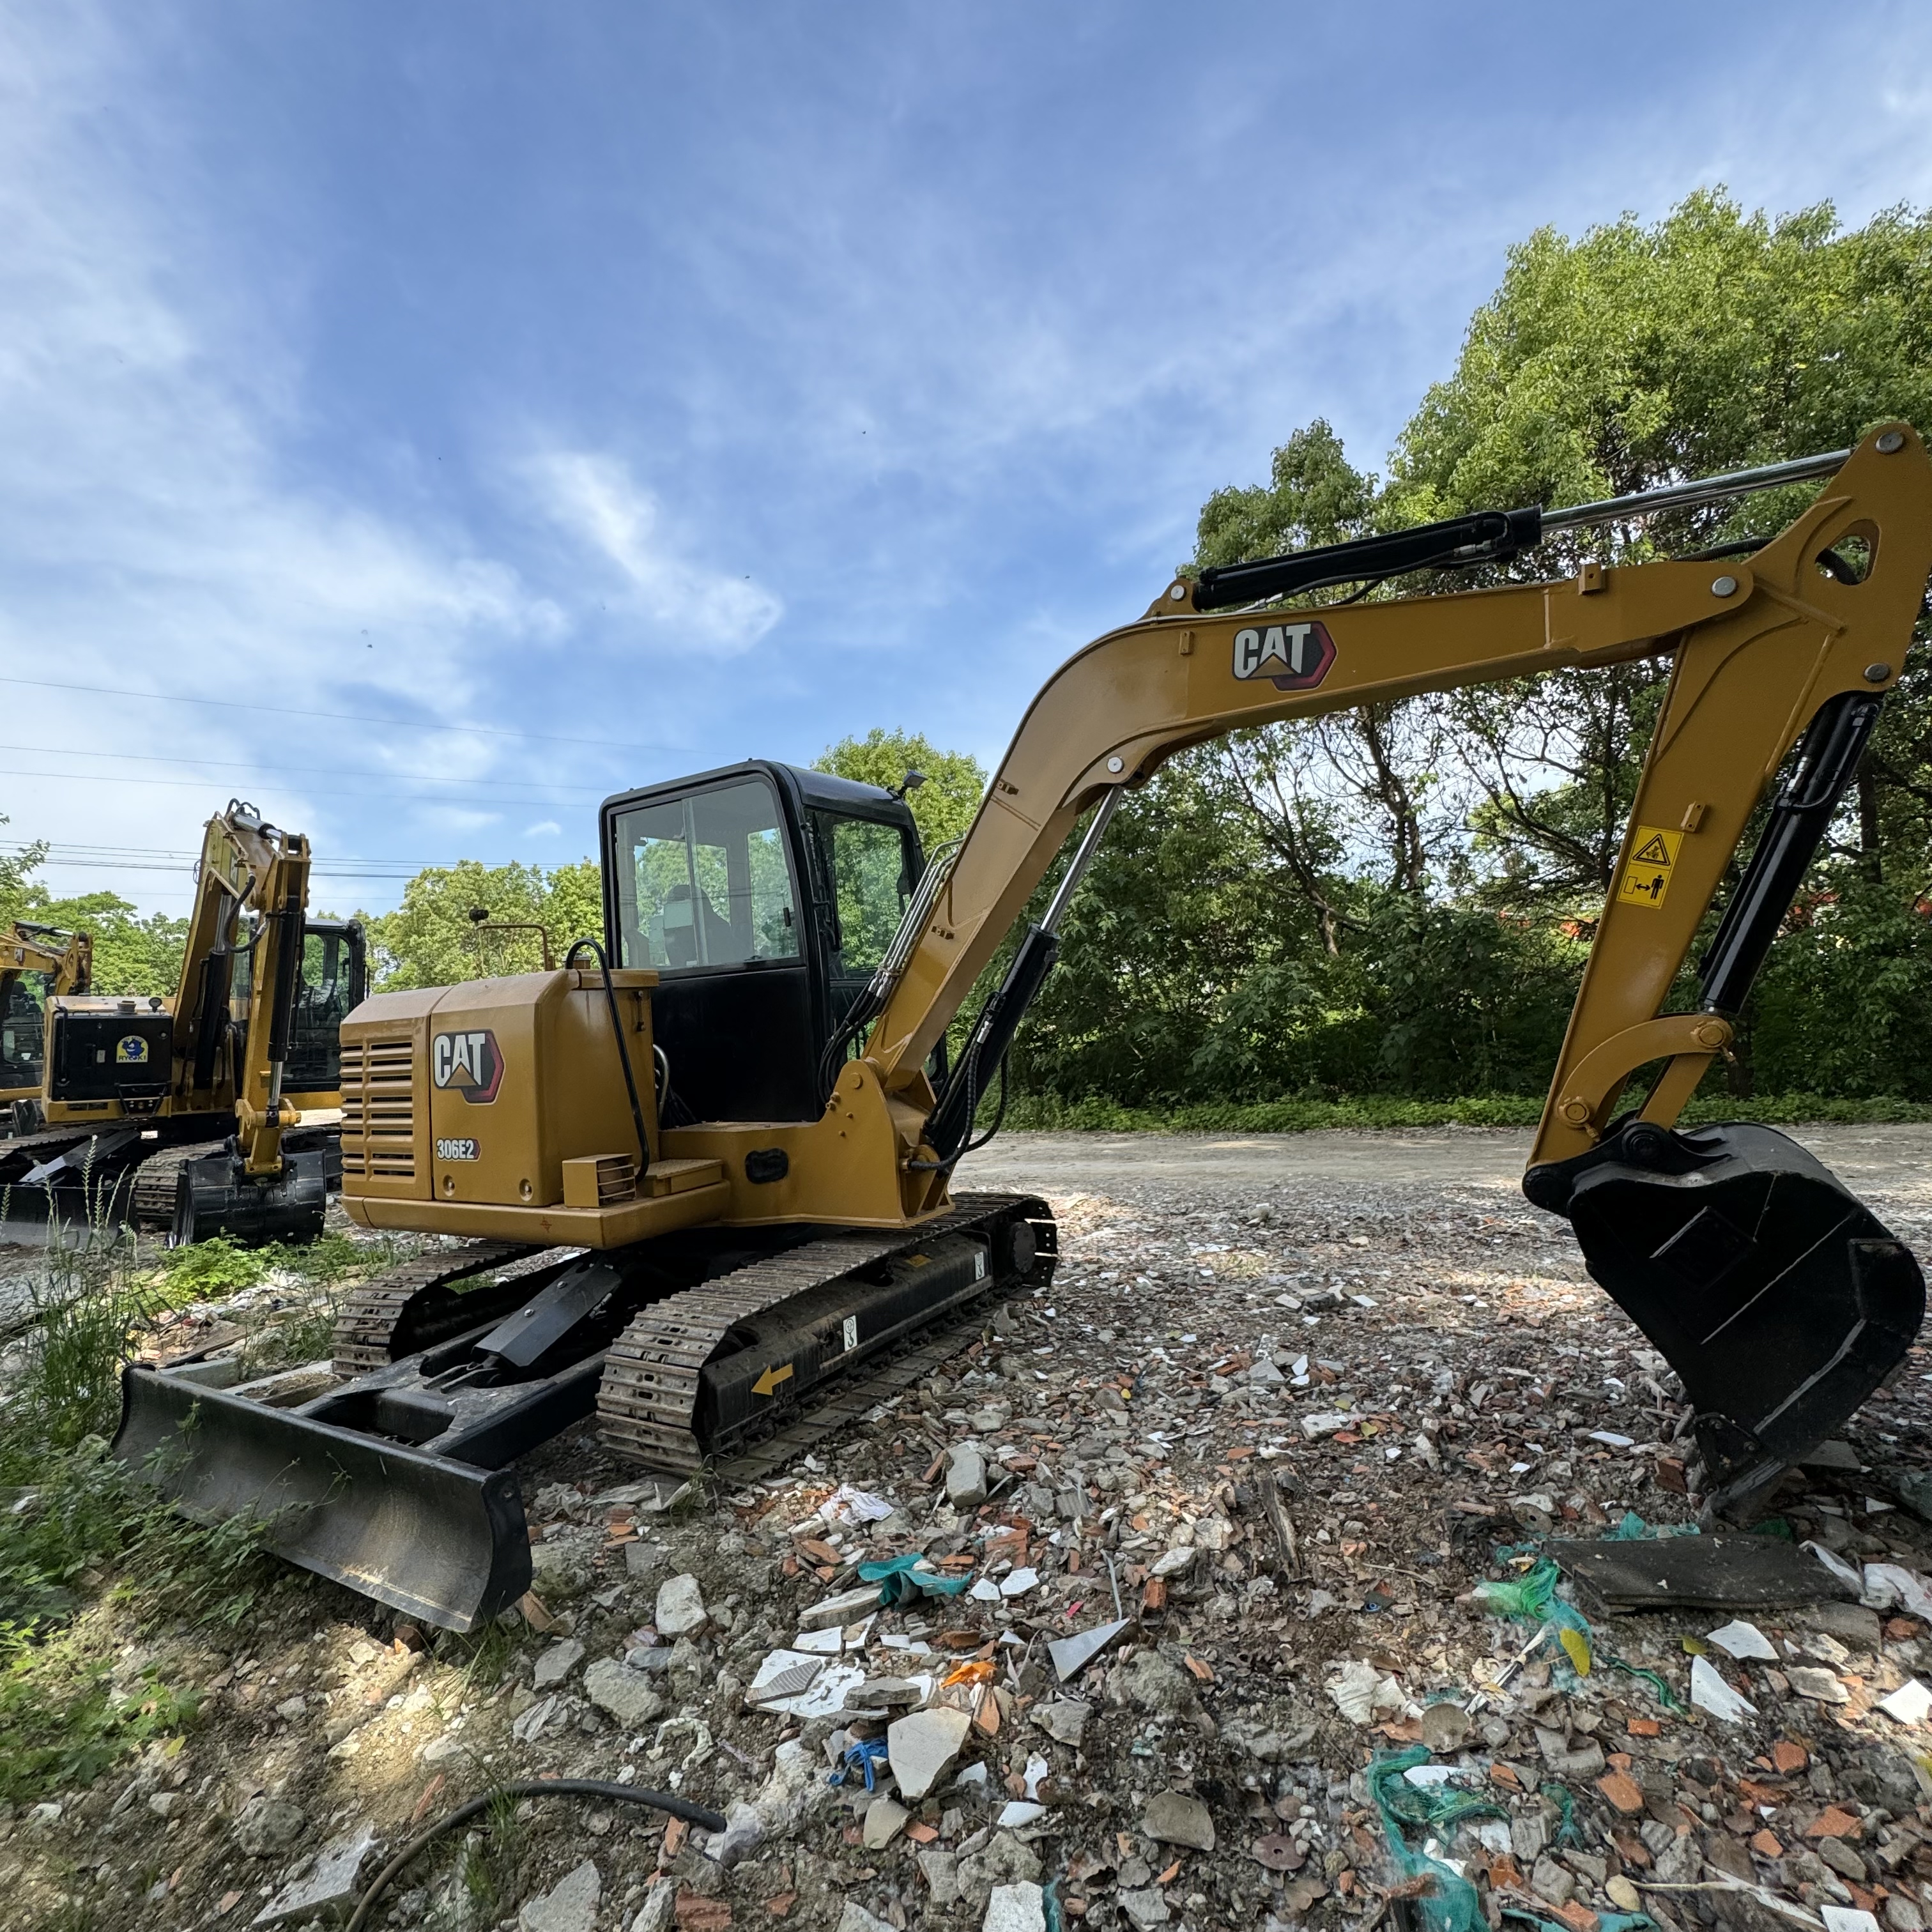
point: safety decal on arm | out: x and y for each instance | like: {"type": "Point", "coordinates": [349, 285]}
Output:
{"type": "Point", "coordinates": [1646, 874]}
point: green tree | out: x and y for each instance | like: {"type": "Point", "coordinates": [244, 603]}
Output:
{"type": "Point", "coordinates": [944, 806]}
{"type": "Point", "coordinates": [430, 941]}
{"type": "Point", "coordinates": [132, 953]}
{"type": "Point", "coordinates": [1450, 852]}
{"type": "Point", "coordinates": [16, 868]}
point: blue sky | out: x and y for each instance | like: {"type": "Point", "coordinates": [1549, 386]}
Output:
{"type": "Point", "coordinates": [640, 388]}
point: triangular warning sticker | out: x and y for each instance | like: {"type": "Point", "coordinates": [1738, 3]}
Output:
{"type": "Point", "coordinates": [1653, 851]}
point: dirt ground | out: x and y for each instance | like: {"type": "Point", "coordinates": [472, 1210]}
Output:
{"type": "Point", "coordinates": [1292, 1398]}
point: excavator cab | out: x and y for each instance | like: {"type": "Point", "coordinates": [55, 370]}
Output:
{"type": "Point", "coordinates": [764, 897]}
{"type": "Point", "coordinates": [331, 982]}
{"type": "Point", "coordinates": [23, 1031]}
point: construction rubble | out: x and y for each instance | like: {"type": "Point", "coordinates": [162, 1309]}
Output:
{"type": "Point", "coordinates": [1239, 1579]}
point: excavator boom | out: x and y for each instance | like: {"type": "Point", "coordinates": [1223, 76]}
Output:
{"type": "Point", "coordinates": [704, 1254]}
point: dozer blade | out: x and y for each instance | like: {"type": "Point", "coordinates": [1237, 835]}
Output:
{"type": "Point", "coordinates": [441, 1539]}
{"type": "Point", "coordinates": [1781, 1299]}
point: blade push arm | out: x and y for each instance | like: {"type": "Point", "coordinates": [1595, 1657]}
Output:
{"type": "Point", "coordinates": [1759, 648]}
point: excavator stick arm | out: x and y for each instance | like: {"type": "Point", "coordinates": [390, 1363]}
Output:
{"type": "Point", "coordinates": [1792, 643]}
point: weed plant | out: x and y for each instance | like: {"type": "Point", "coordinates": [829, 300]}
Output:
{"type": "Point", "coordinates": [80, 1540]}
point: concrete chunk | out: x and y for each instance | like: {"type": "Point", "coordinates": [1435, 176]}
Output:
{"type": "Point", "coordinates": [966, 1478]}
{"type": "Point", "coordinates": [557, 1663]}
{"type": "Point", "coordinates": [1171, 1818]}
{"type": "Point", "coordinates": [1063, 1720]}
{"type": "Point", "coordinates": [626, 1694]}
{"type": "Point", "coordinates": [883, 1822]}
{"type": "Point", "coordinates": [680, 1607]}
{"type": "Point", "coordinates": [1015, 1908]}
{"type": "Point", "coordinates": [845, 1608]}
{"type": "Point", "coordinates": [922, 1746]}
{"type": "Point", "coordinates": [569, 1906]}
{"type": "Point", "coordinates": [330, 1887]}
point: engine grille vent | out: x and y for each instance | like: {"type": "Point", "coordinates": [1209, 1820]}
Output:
{"type": "Point", "coordinates": [379, 1110]}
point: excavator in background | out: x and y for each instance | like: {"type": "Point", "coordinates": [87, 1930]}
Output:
{"type": "Point", "coordinates": [216, 1111]}
{"type": "Point", "coordinates": [703, 1172]}
{"type": "Point", "coordinates": [36, 963]}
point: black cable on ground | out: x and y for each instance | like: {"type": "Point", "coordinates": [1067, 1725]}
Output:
{"type": "Point", "coordinates": [540, 1787]}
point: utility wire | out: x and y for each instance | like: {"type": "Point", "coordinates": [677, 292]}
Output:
{"type": "Point", "coordinates": [308, 791]}
{"type": "Point", "coordinates": [276, 771]}
{"type": "Point", "coordinates": [150, 859]}
{"type": "Point", "coordinates": [340, 717]}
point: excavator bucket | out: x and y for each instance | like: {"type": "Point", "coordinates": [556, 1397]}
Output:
{"type": "Point", "coordinates": [215, 1194]}
{"type": "Point", "coordinates": [1781, 1299]}
{"type": "Point", "coordinates": [441, 1539]}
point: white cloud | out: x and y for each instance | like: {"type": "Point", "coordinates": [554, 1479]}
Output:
{"type": "Point", "coordinates": [154, 534]}
{"type": "Point", "coordinates": [545, 828]}
{"type": "Point", "coordinates": [595, 499]}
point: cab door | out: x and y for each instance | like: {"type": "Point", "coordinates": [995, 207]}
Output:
{"type": "Point", "coordinates": [867, 869]}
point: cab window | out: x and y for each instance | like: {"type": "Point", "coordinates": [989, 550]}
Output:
{"type": "Point", "coordinates": [871, 879]}
{"type": "Point", "coordinates": [23, 1006]}
{"type": "Point", "coordinates": [703, 880]}
{"type": "Point", "coordinates": [325, 996]}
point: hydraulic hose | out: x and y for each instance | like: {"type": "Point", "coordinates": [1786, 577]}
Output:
{"type": "Point", "coordinates": [623, 1049]}
{"type": "Point", "coordinates": [543, 1787]}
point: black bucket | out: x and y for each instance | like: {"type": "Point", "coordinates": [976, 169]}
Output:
{"type": "Point", "coordinates": [216, 1195]}
{"type": "Point", "coordinates": [1781, 1300]}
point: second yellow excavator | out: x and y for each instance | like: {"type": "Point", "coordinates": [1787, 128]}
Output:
{"type": "Point", "coordinates": [704, 1170]}
{"type": "Point", "coordinates": [213, 1111]}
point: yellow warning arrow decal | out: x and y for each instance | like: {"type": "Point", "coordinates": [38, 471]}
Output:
{"type": "Point", "coordinates": [770, 1379]}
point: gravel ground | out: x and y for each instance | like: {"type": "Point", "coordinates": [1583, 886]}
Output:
{"type": "Point", "coordinates": [1293, 1398]}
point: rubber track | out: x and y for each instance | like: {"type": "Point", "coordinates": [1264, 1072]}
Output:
{"type": "Point", "coordinates": [21, 1156]}
{"type": "Point", "coordinates": [152, 1197]}
{"type": "Point", "coordinates": [646, 1399]}
{"type": "Point", "coordinates": [848, 1401]}
{"type": "Point", "coordinates": [153, 1201]}
{"type": "Point", "coordinates": [368, 1319]}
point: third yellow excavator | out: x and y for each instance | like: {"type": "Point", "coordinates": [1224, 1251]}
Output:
{"type": "Point", "coordinates": [704, 1169]}
{"type": "Point", "coordinates": [37, 963]}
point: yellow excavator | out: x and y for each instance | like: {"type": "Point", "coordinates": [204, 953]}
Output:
{"type": "Point", "coordinates": [36, 963]}
{"type": "Point", "coordinates": [704, 1169]}
{"type": "Point", "coordinates": [214, 1110]}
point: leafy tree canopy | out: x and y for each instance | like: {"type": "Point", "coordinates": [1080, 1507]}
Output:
{"type": "Point", "coordinates": [944, 806]}
{"type": "Point", "coordinates": [132, 953]}
{"type": "Point", "coordinates": [430, 941]}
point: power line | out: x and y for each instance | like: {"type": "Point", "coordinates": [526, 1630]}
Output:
{"type": "Point", "coordinates": [308, 791]}
{"type": "Point", "coordinates": [340, 717]}
{"type": "Point", "coordinates": [150, 858]}
{"type": "Point", "coordinates": [237, 765]}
